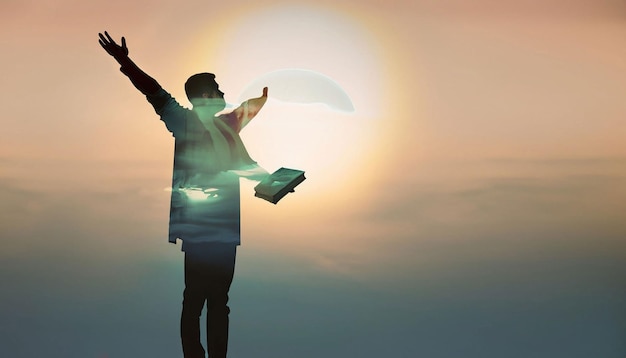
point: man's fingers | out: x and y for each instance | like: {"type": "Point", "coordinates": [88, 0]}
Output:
{"type": "Point", "coordinates": [105, 47]}
{"type": "Point", "coordinates": [107, 42]}
{"type": "Point", "coordinates": [110, 38]}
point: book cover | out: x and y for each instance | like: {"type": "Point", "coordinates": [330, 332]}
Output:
{"type": "Point", "coordinates": [278, 184]}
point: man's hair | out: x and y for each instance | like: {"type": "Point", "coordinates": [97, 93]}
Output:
{"type": "Point", "coordinates": [200, 83]}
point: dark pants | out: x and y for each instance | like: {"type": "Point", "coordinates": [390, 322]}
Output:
{"type": "Point", "coordinates": [209, 270]}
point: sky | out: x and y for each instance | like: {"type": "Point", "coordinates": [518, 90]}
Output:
{"type": "Point", "coordinates": [473, 204]}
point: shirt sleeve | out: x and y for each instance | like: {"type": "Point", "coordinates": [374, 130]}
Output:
{"type": "Point", "coordinates": [171, 112]}
{"type": "Point", "coordinates": [232, 121]}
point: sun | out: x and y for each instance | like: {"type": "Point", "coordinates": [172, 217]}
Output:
{"type": "Point", "coordinates": [335, 137]}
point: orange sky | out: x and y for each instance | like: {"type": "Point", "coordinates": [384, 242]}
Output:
{"type": "Point", "coordinates": [490, 80]}
{"type": "Point", "coordinates": [432, 84]}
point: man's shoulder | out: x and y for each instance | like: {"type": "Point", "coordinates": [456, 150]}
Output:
{"type": "Point", "coordinates": [163, 101]}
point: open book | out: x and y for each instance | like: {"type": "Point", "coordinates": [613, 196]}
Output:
{"type": "Point", "coordinates": [278, 184]}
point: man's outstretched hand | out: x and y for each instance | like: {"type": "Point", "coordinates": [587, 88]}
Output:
{"type": "Point", "coordinates": [249, 109]}
{"type": "Point", "coordinates": [255, 104]}
{"type": "Point", "coordinates": [108, 44]}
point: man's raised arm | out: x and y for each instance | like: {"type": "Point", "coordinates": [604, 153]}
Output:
{"type": "Point", "coordinates": [144, 83]}
{"type": "Point", "coordinates": [249, 109]}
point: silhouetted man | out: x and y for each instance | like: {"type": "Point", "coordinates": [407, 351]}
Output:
{"type": "Point", "coordinates": [209, 157]}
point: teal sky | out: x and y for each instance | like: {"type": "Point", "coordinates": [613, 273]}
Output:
{"type": "Point", "coordinates": [472, 205]}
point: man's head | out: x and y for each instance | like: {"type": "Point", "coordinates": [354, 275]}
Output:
{"type": "Point", "coordinates": [202, 90]}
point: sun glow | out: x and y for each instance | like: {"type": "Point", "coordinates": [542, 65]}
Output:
{"type": "Point", "coordinates": [335, 133]}
{"type": "Point", "coordinates": [320, 135]}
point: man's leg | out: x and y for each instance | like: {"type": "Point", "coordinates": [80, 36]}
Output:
{"type": "Point", "coordinates": [209, 270]}
{"type": "Point", "coordinates": [194, 297]}
{"type": "Point", "coordinates": [221, 271]}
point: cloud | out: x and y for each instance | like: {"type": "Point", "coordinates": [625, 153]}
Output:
{"type": "Point", "coordinates": [82, 208]}
{"type": "Point", "coordinates": [442, 214]}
